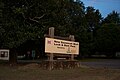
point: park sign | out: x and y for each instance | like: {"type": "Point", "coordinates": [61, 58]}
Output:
{"type": "Point", "coordinates": [61, 46]}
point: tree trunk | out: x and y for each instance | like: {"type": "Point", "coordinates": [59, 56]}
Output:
{"type": "Point", "coordinates": [13, 56]}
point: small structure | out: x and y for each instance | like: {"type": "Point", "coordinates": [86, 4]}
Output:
{"type": "Point", "coordinates": [4, 54]}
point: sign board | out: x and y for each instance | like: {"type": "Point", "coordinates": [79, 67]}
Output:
{"type": "Point", "coordinates": [61, 46]}
{"type": "Point", "coordinates": [4, 54]}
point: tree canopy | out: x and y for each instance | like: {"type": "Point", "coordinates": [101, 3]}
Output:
{"type": "Point", "coordinates": [24, 20]}
{"type": "Point", "coordinates": [113, 17]}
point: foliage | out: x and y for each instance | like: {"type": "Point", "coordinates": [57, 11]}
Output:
{"type": "Point", "coordinates": [108, 38]}
{"type": "Point", "coordinates": [25, 20]}
{"type": "Point", "coordinates": [113, 17]}
{"type": "Point", "coordinates": [93, 18]}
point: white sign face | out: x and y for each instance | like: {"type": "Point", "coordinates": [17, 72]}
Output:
{"type": "Point", "coordinates": [4, 54]}
{"type": "Point", "coordinates": [61, 46]}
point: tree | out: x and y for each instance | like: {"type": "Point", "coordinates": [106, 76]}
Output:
{"type": "Point", "coordinates": [108, 39]}
{"type": "Point", "coordinates": [19, 26]}
{"type": "Point", "coordinates": [113, 17]}
{"type": "Point", "coordinates": [63, 15]}
{"type": "Point", "coordinates": [93, 18]}
{"type": "Point", "coordinates": [92, 21]}
{"type": "Point", "coordinates": [25, 20]}
{"type": "Point", "coordinates": [1, 20]}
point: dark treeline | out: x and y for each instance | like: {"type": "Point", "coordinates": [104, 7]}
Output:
{"type": "Point", "coordinates": [24, 23]}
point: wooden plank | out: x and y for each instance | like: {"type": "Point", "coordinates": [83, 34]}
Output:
{"type": "Point", "coordinates": [58, 37]}
{"type": "Point", "coordinates": [51, 34]}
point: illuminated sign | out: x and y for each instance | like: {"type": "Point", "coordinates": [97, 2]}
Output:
{"type": "Point", "coordinates": [61, 46]}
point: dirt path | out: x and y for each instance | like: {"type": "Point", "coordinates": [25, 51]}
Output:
{"type": "Point", "coordinates": [105, 63]}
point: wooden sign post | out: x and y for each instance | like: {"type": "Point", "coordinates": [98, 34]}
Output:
{"type": "Point", "coordinates": [51, 34]}
{"type": "Point", "coordinates": [56, 46]}
{"type": "Point", "coordinates": [71, 37]}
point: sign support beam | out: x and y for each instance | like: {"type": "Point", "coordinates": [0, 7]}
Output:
{"type": "Point", "coordinates": [72, 38]}
{"type": "Point", "coordinates": [51, 34]}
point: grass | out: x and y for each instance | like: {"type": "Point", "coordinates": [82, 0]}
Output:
{"type": "Point", "coordinates": [34, 72]}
